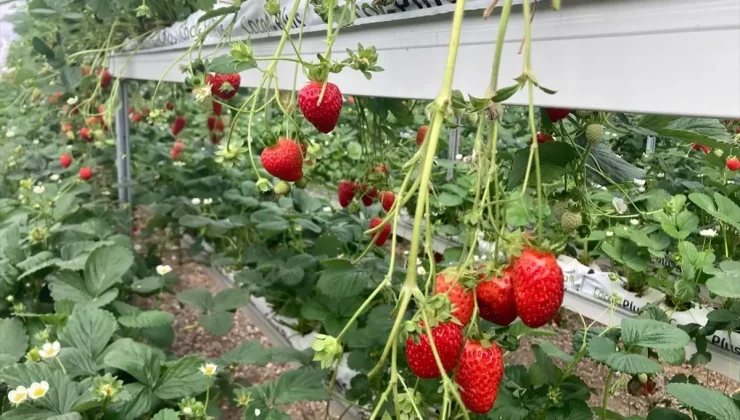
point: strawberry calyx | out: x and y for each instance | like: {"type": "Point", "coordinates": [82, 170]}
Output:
{"type": "Point", "coordinates": [465, 277]}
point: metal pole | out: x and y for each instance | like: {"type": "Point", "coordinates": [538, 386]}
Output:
{"type": "Point", "coordinates": [453, 147]}
{"type": "Point", "coordinates": [123, 151]}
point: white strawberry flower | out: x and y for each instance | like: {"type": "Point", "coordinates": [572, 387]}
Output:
{"type": "Point", "coordinates": [458, 156]}
{"type": "Point", "coordinates": [39, 189]}
{"type": "Point", "coordinates": [609, 233]}
{"type": "Point", "coordinates": [35, 142]}
{"type": "Point", "coordinates": [660, 175]}
{"type": "Point", "coordinates": [38, 390]}
{"type": "Point", "coordinates": [163, 269]}
{"type": "Point", "coordinates": [18, 396]}
{"type": "Point", "coordinates": [72, 100]}
{"type": "Point", "coordinates": [54, 177]}
{"type": "Point", "coordinates": [327, 209]}
{"type": "Point", "coordinates": [202, 92]}
{"type": "Point", "coordinates": [257, 412]}
{"type": "Point", "coordinates": [708, 233]}
{"type": "Point", "coordinates": [178, 163]}
{"type": "Point", "coordinates": [641, 189]}
{"type": "Point", "coordinates": [207, 201]}
{"type": "Point", "coordinates": [639, 182]}
{"type": "Point", "coordinates": [195, 201]}
{"type": "Point", "coordinates": [634, 222]}
{"type": "Point", "coordinates": [49, 350]}
{"type": "Point", "coordinates": [209, 369]}
{"type": "Point", "coordinates": [619, 205]}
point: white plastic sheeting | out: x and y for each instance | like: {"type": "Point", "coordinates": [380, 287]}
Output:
{"type": "Point", "coordinates": [7, 36]}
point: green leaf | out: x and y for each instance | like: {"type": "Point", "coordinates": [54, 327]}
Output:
{"type": "Point", "coordinates": [603, 160]}
{"type": "Point", "coordinates": [230, 299]}
{"type": "Point", "coordinates": [652, 334]}
{"type": "Point", "coordinates": [674, 357]}
{"type": "Point", "coordinates": [27, 412]}
{"type": "Point", "coordinates": [302, 384]}
{"type": "Point", "coordinates": [182, 378]}
{"type": "Point", "coordinates": [40, 46]}
{"type": "Point", "coordinates": [449, 200]}
{"type": "Point", "coordinates": [10, 244]}
{"type": "Point", "coordinates": [217, 323]}
{"type": "Point", "coordinates": [506, 93]}
{"type": "Point", "coordinates": [601, 348]}
{"type": "Point", "coordinates": [725, 210]}
{"type": "Point", "coordinates": [105, 267]}
{"type": "Point", "coordinates": [227, 64]}
{"type": "Point", "coordinates": [221, 11]}
{"type": "Point", "coordinates": [342, 281]}
{"type": "Point", "coordinates": [77, 362]}
{"type": "Point", "coordinates": [14, 341]}
{"type": "Point", "coordinates": [290, 275]}
{"type": "Point", "coordinates": [662, 413]}
{"type": "Point", "coordinates": [726, 284]}
{"type": "Point", "coordinates": [148, 285]}
{"type": "Point", "coordinates": [248, 353]}
{"type": "Point", "coordinates": [707, 401]}
{"type": "Point", "coordinates": [200, 299]}
{"type": "Point", "coordinates": [166, 414]}
{"type": "Point", "coordinates": [553, 351]}
{"type": "Point", "coordinates": [147, 319]}
{"type": "Point", "coordinates": [89, 331]}
{"type": "Point", "coordinates": [137, 359]}
{"type": "Point", "coordinates": [633, 364]}
{"type": "Point", "coordinates": [554, 158]}
{"type": "Point", "coordinates": [140, 403]}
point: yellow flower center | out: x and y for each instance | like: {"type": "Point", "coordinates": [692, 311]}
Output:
{"type": "Point", "coordinates": [19, 396]}
{"type": "Point", "coordinates": [39, 392]}
{"type": "Point", "coordinates": [107, 390]}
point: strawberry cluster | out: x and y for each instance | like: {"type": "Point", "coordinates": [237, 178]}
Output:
{"type": "Point", "coordinates": [530, 288]}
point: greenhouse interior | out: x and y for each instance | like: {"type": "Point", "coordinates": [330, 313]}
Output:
{"type": "Point", "coordinates": [370, 209]}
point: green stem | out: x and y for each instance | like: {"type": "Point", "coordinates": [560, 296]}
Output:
{"type": "Point", "coordinates": [605, 400]}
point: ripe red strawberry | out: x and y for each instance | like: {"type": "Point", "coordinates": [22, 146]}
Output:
{"type": "Point", "coordinates": [219, 126]}
{"type": "Point", "coordinates": [421, 134]}
{"type": "Point", "coordinates": [496, 298]}
{"type": "Point", "coordinates": [105, 77]}
{"type": "Point", "coordinates": [732, 163]}
{"type": "Point", "coordinates": [323, 116]}
{"type": "Point", "coordinates": [85, 173]}
{"type": "Point", "coordinates": [86, 134]}
{"type": "Point", "coordinates": [217, 108]}
{"type": "Point", "coordinates": [703, 148]}
{"type": "Point", "coordinates": [387, 198]}
{"type": "Point", "coordinates": [557, 114]}
{"type": "Point", "coordinates": [174, 153]}
{"type": "Point", "coordinates": [382, 235]}
{"type": "Point", "coordinates": [224, 86]}
{"type": "Point", "coordinates": [368, 195]}
{"type": "Point", "coordinates": [136, 117]}
{"type": "Point", "coordinates": [211, 122]}
{"type": "Point", "coordinates": [346, 192]}
{"type": "Point", "coordinates": [448, 339]}
{"type": "Point", "coordinates": [215, 139]}
{"type": "Point", "coordinates": [438, 257]}
{"type": "Point", "coordinates": [283, 160]}
{"type": "Point", "coordinates": [538, 287]}
{"type": "Point", "coordinates": [461, 298]}
{"type": "Point", "coordinates": [479, 375]}
{"type": "Point", "coordinates": [178, 125]}
{"type": "Point", "coordinates": [543, 138]}
{"type": "Point", "coordinates": [170, 106]}
{"type": "Point", "coordinates": [179, 146]}
{"type": "Point", "coordinates": [65, 160]}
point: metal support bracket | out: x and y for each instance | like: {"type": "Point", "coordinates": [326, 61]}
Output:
{"type": "Point", "coordinates": [123, 152]}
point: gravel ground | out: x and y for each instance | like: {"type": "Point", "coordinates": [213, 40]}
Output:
{"type": "Point", "coordinates": [199, 341]}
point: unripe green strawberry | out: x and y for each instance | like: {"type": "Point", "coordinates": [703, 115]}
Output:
{"type": "Point", "coordinates": [594, 132]}
{"type": "Point", "coordinates": [570, 221]}
{"type": "Point", "coordinates": [282, 188]}
{"type": "Point", "coordinates": [559, 208]}
{"type": "Point", "coordinates": [302, 183]}
{"type": "Point", "coordinates": [583, 114]}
